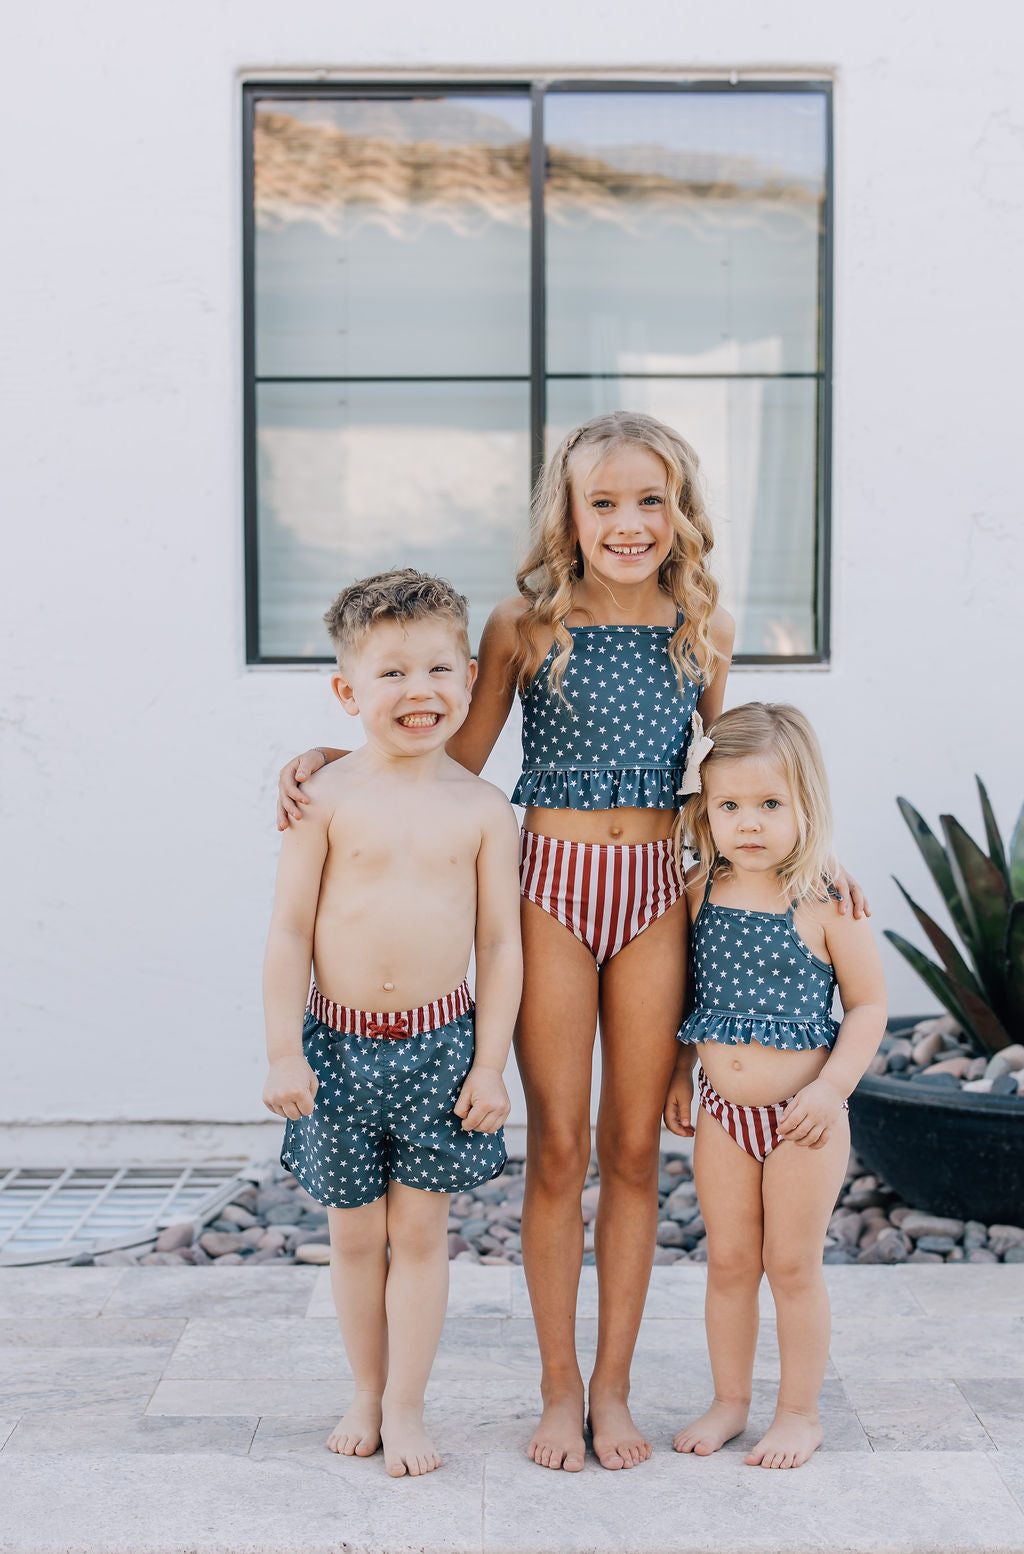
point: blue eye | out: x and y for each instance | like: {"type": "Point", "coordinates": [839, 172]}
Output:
{"type": "Point", "coordinates": [728, 804]}
{"type": "Point", "coordinates": [657, 500]}
{"type": "Point", "coordinates": [771, 803]}
{"type": "Point", "coordinates": [441, 669]}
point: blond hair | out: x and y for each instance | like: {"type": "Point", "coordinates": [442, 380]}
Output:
{"type": "Point", "coordinates": [554, 563]}
{"type": "Point", "coordinates": [401, 594]}
{"type": "Point", "coordinates": [783, 734]}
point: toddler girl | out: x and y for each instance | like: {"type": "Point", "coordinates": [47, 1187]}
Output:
{"type": "Point", "coordinates": [769, 946]}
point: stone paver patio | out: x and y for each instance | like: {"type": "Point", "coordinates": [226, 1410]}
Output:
{"type": "Point", "coordinates": [160, 1410]}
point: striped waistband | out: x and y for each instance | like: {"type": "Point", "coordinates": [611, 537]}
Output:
{"type": "Point", "coordinates": [532, 844]}
{"type": "Point", "coordinates": [396, 1023]}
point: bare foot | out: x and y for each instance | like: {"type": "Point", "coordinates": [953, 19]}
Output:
{"type": "Point", "coordinates": [617, 1441]}
{"type": "Point", "coordinates": [558, 1439]}
{"type": "Point", "coordinates": [788, 1442]}
{"type": "Point", "coordinates": [407, 1446]}
{"type": "Point", "coordinates": [710, 1432]}
{"type": "Point", "coordinates": [357, 1433]}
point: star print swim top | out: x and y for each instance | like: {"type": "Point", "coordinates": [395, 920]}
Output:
{"type": "Point", "coordinates": [755, 979]}
{"type": "Point", "coordinates": [622, 739]}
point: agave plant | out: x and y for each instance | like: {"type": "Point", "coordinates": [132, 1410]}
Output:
{"type": "Point", "coordinates": [985, 899]}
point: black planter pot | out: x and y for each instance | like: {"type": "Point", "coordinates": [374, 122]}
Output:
{"type": "Point", "coordinates": [941, 1150]}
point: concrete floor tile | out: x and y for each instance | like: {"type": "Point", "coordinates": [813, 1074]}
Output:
{"type": "Point", "coordinates": [109, 1435]}
{"type": "Point", "coordinates": [911, 1503]}
{"type": "Point", "coordinates": [67, 1503]}
{"type": "Point", "coordinates": [88, 1332]}
{"type": "Point", "coordinates": [661, 1423]}
{"type": "Point", "coordinates": [211, 1292]}
{"type": "Point", "coordinates": [982, 1290]}
{"type": "Point", "coordinates": [321, 1301]}
{"type": "Point", "coordinates": [1010, 1467]}
{"type": "Point", "coordinates": [246, 1396]}
{"type": "Point", "coordinates": [933, 1349]}
{"type": "Point", "coordinates": [225, 1348]}
{"type": "Point", "coordinates": [917, 1415]}
{"type": "Point", "coordinates": [7, 1424]}
{"type": "Point", "coordinates": [56, 1292]}
{"type": "Point", "coordinates": [59, 1378]}
{"type": "Point", "coordinates": [999, 1406]}
{"type": "Point", "coordinates": [476, 1290]}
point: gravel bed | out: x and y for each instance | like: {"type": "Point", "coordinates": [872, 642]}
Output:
{"type": "Point", "coordinates": [276, 1221]}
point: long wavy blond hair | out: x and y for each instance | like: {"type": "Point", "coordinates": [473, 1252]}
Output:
{"type": "Point", "coordinates": [554, 563]}
{"type": "Point", "coordinates": [782, 733]}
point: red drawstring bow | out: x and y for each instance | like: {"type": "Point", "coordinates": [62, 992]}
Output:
{"type": "Point", "coordinates": [399, 1027]}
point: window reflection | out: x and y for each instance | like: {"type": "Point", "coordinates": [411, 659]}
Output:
{"type": "Point", "coordinates": [681, 225]}
{"type": "Point", "coordinates": [355, 478]}
{"type": "Point", "coordinates": [392, 237]}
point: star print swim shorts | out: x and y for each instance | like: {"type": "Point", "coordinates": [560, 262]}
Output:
{"type": "Point", "coordinates": [384, 1110]}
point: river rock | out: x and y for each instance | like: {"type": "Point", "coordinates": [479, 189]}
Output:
{"type": "Point", "coordinates": [941, 1025]}
{"type": "Point", "coordinates": [1002, 1237]}
{"type": "Point", "coordinates": [879, 1063]}
{"type": "Point", "coordinates": [234, 1214]}
{"type": "Point", "coordinates": [927, 1049]}
{"type": "Point", "coordinates": [917, 1224]}
{"type": "Point", "coordinates": [941, 1244]}
{"type": "Point", "coordinates": [253, 1236]}
{"type": "Point", "coordinates": [979, 1086]}
{"type": "Point", "coordinates": [1014, 1055]}
{"type": "Point", "coordinates": [975, 1234]}
{"type": "Point", "coordinates": [976, 1068]}
{"type": "Point", "coordinates": [955, 1066]}
{"type": "Point", "coordinates": [996, 1066]}
{"type": "Point", "coordinates": [456, 1243]}
{"type": "Point", "coordinates": [281, 1213]}
{"type": "Point", "coordinates": [888, 1248]}
{"type": "Point", "coordinates": [475, 1227]}
{"type": "Point", "coordinates": [981, 1254]}
{"type": "Point", "coordinates": [313, 1252]}
{"type": "Point", "coordinates": [221, 1243]}
{"type": "Point", "coordinates": [925, 1257]}
{"type": "Point", "coordinates": [272, 1240]}
{"type": "Point", "coordinates": [670, 1234]}
{"type": "Point", "coordinates": [1013, 1254]}
{"type": "Point", "coordinates": [230, 1257]}
{"type": "Point", "coordinates": [1004, 1084]}
{"type": "Point", "coordinates": [674, 1166]}
{"type": "Point", "coordinates": [176, 1236]}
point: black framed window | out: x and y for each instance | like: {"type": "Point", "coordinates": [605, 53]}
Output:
{"type": "Point", "coordinates": [441, 280]}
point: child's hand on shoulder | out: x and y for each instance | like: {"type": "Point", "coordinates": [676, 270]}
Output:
{"type": "Point", "coordinates": [679, 1102]}
{"type": "Point", "coordinates": [290, 1088]}
{"type": "Point", "coordinates": [812, 1113]}
{"type": "Point", "coordinates": [483, 1102]}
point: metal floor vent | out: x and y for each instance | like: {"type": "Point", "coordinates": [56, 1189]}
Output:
{"type": "Point", "coordinates": [51, 1215]}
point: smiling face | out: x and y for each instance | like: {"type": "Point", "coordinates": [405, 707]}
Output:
{"type": "Point", "coordinates": [409, 682]}
{"type": "Point", "coordinates": [751, 811]}
{"type": "Point", "coordinates": [619, 510]}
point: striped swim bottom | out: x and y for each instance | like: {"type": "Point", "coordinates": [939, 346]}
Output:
{"type": "Point", "coordinates": [605, 895]}
{"type": "Point", "coordinates": [755, 1128]}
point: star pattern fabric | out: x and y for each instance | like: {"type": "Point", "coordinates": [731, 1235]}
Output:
{"type": "Point", "coordinates": [622, 738]}
{"type": "Point", "coordinates": [755, 979]}
{"type": "Point", "coordinates": [383, 1113]}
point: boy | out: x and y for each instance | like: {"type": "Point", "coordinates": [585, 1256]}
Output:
{"type": "Point", "coordinates": [403, 860]}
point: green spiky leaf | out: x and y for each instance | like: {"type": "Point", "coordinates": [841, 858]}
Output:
{"type": "Point", "coordinates": [1017, 859]}
{"type": "Point", "coordinates": [975, 1016]}
{"type": "Point", "coordinates": [934, 855]}
{"type": "Point", "coordinates": [943, 946]}
{"type": "Point", "coordinates": [986, 901]}
{"type": "Point", "coordinates": [1015, 965]}
{"type": "Point", "coordinates": [996, 850]}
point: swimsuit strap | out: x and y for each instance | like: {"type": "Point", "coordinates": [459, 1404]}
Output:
{"type": "Point", "coordinates": [707, 891]}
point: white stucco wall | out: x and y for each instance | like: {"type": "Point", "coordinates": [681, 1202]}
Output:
{"type": "Point", "coordinates": [140, 752]}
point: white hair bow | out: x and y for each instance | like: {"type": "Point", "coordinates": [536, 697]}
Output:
{"type": "Point", "coordinates": [700, 746]}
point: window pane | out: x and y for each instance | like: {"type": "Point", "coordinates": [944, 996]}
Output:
{"type": "Point", "coordinates": [392, 237]}
{"type": "Point", "coordinates": [756, 443]}
{"type": "Point", "coordinates": [356, 478]}
{"type": "Point", "coordinates": [683, 231]}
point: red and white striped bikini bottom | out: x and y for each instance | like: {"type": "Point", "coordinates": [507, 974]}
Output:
{"type": "Point", "coordinates": [605, 895]}
{"type": "Point", "coordinates": [755, 1128]}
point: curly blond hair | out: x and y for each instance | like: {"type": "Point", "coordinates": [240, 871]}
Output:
{"type": "Point", "coordinates": [783, 734]}
{"type": "Point", "coordinates": [554, 563]}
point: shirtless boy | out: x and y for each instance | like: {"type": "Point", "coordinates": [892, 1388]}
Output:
{"type": "Point", "coordinates": [405, 862]}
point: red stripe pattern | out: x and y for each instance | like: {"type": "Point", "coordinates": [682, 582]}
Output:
{"type": "Point", "coordinates": [755, 1128]}
{"type": "Point", "coordinates": [605, 895]}
{"type": "Point", "coordinates": [394, 1023]}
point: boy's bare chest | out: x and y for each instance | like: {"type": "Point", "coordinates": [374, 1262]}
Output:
{"type": "Point", "coordinates": [405, 843]}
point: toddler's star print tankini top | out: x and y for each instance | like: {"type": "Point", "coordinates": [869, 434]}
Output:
{"type": "Point", "coordinates": [622, 739]}
{"type": "Point", "coordinates": [755, 979]}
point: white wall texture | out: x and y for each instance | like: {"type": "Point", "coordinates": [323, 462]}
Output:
{"type": "Point", "coordinates": [140, 753]}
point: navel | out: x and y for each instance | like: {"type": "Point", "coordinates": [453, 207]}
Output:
{"type": "Point", "coordinates": [616, 831]}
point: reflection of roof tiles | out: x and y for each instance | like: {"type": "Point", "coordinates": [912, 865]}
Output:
{"type": "Point", "coordinates": [314, 171]}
